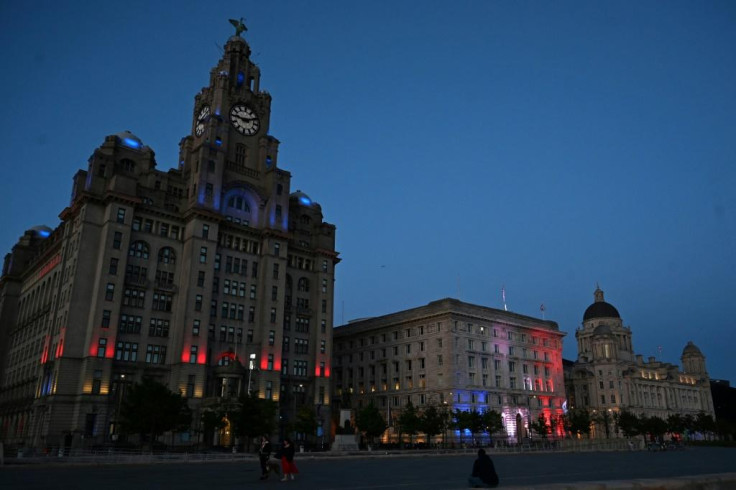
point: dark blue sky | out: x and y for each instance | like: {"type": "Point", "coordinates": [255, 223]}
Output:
{"type": "Point", "coordinates": [458, 146]}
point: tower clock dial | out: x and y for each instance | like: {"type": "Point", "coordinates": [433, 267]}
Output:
{"type": "Point", "coordinates": [244, 119]}
{"type": "Point", "coordinates": [204, 113]}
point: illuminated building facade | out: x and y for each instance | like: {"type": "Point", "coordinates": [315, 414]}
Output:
{"type": "Point", "coordinates": [191, 276]}
{"type": "Point", "coordinates": [455, 355]}
{"type": "Point", "coordinates": [608, 377]}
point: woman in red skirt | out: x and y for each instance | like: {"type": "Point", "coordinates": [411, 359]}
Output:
{"type": "Point", "coordinates": [287, 460]}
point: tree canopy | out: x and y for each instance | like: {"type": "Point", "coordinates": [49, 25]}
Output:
{"type": "Point", "coordinates": [433, 421]}
{"type": "Point", "coordinates": [254, 416]}
{"type": "Point", "coordinates": [577, 421]}
{"type": "Point", "coordinates": [370, 421]}
{"type": "Point", "coordinates": [409, 421]}
{"type": "Point", "coordinates": [150, 409]}
{"type": "Point", "coordinates": [540, 426]}
{"type": "Point", "coordinates": [306, 421]}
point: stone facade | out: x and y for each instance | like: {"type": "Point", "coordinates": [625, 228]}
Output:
{"type": "Point", "coordinates": [455, 355]}
{"type": "Point", "coordinates": [212, 277]}
{"type": "Point", "coordinates": [608, 377]}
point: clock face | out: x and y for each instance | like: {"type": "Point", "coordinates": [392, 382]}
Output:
{"type": "Point", "coordinates": [244, 119]}
{"type": "Point", "coordinates": [204, 113]}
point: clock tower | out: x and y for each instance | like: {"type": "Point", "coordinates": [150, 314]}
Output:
{"type": "Point", "coordinates": [229, 145]}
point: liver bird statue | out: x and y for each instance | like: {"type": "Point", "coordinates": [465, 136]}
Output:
{"type": "Point", "coordinates": [239, 25]}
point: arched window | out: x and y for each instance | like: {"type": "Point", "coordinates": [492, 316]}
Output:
{"type": "Point", "coordinates": [127, 165]}
{"type": "Point", "coordinates": [167, 256]}
{"type": "Point", "coordinates": [240, 154]}
{"type": "Point", "coordinates": [139, 249]}
{"type": "Point", "coordinates": [237, 202]}
{"type": "Point", "coordinates": [303, 285]}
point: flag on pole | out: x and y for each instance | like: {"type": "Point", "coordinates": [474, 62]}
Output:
{"type": "Point", "coordinates": [503, 295]}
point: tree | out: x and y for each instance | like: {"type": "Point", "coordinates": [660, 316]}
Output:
{"type": "Point", "coordinates": [370, 421]}
{"type": "Point", "coordinates": [409, 421]}
{"type": "Point", "coordinates": [306, 421]}
{"type": "Point", "coordinates": [675, 424]}
{"type": "Point", "coordinates": [540, 426]}
{"type": "Point", "coordinates": [475, 422]}
{"type": "Point", "coordinates": [628, 423]}
{"type": "Point", "coordinates": [150, 409]}
{"type": "Point", "coordinates": [433, 421]}
{"type": "Point", "coordinates": [213, 420]}
{"type": "Point", "coordinates": [254, 417]}
{"type": "Point", "coordinates": [603, 418]}
{"type": "Point", "coordinates": [461, 421]}
{"type": "Point", "coordinates": [654, 426]}
{"type": "Point", "coordinates": [493, 422]}
{"type": "Point", "coordinates": [704, 423]}
{"type": "Point", "coordinates": [554, 421]}
{"type": "Point", "coordinates": [577, 421]}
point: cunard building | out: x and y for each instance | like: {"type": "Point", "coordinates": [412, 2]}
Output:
{"type": "Point", "coordinates": [455, 355]}
{"type": "Point", "coordinates": [214, 278]}
{"type": "Point", "coordinates": [609, 377]}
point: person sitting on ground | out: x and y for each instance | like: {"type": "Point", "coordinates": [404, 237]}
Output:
{"type": "Point", "coordinates": [484, 473]}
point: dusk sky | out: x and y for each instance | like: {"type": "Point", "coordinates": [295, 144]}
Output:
{"type": "Point", "coordinates": [458, 146]}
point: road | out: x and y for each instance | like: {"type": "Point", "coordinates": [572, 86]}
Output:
{"type": "Point", "coordinates": [376, 473]}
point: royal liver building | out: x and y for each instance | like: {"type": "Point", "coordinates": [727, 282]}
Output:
{"type": "Point", "coordinates": [213, 277]}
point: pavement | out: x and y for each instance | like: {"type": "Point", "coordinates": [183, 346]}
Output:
{"type": "Point", "coordinates": [693, 468]}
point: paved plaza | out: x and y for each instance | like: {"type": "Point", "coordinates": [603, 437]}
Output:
{"type": "Point", "coordinates": [375, 472]}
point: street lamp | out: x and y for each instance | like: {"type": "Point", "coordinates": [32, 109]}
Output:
{"type": "Point", "coordinates": [251, 365]}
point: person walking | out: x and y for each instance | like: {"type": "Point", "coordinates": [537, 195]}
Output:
{"type": "Point", "coordinates": [288, 467]}
{"type": "Point", "coordinates": [264, 453]}
{"type": "Point", "coordinates": [484, 473]}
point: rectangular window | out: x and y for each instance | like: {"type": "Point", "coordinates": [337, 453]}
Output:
{"type": "Point", "coordinates": [96, 381]}
{"type": "Point", "coordinates": [193, 354]}
{"type": "Point", "coordinates": [126, 351]}
{"type": "Point", "coordinates": [252, 291]}
{"type": "Point", "coordinates": [117, 240]}
{"type": "Point", "coordinates": [113, 269]}
{"type": "Point", "coordinates": [195, 328]}
{"type": "Point", "coordinates": [203, 255]}
{"type": "Point", "coordinates": [110, 291]}
{"type": "Point", "coordinates": [205, 231]}
{"type": "Point", "coordinates": [106, 318]}
{"type": "Point", "coordinates": [271, 337]}
{"type": "Point", "coordinates": [101, 345]}
{"type": "Point", "coordinates": [200, 279]}
{"type": "Point", "coordinates": [156, 354]}
{"type": "Point", "coordinates": [121, 215]}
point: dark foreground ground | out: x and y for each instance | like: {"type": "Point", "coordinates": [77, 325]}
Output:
{"type": "Point", "coordinates": [375, 473]}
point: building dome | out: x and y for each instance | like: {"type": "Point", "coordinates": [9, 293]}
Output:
{"type": "Point", "coordinates": [600, 309]}
{"type": "Point", "coordinates": [301, 197]}
{"type": "Point", "coordinates": [41, 230]}
{"type": "Point", "coordinates": [129, 139]}
{"type": "Point", "coordinates": [691, 349]}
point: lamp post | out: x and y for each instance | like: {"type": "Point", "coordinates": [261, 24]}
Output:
{"type": "Point", "coordinates": [251, 366]}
